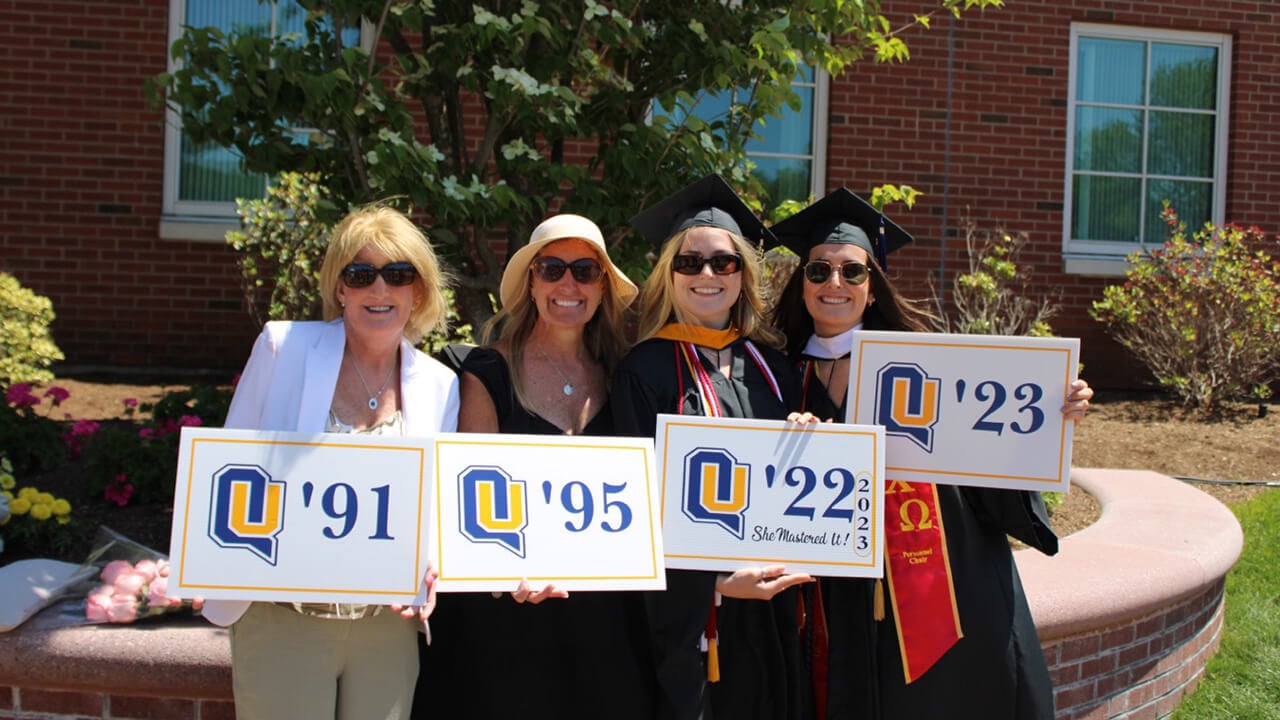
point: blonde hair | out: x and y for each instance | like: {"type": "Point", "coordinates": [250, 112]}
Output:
{"type": "Point", "coordinates": [602, 336]}
{"type": "Point", "coordinates": [393, 234]}
{"type": "Point", "coordinates": [657, 307]}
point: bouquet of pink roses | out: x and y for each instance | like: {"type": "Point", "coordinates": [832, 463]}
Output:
{"type": "Point", "coordinates": [130, 591]}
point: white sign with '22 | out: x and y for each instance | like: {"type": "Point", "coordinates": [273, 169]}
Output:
{"type": "Point", "coordinates": [579, 512]}
{"type": "Point", "coordinates": [742, 493]}
{"type": "Point", "coordinates": [980, 410]}
{"type": "Point", "coordinates": [300, 517]}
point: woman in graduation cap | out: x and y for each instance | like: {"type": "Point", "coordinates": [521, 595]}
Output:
{"type": "Point", "coordinates": [706, 349]}
{"type": "Point", "coordinates": [554, 346]}
{"type": "Point", "coordinates": [957, 637]}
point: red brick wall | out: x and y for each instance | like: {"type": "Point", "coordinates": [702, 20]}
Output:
{"type": "Point", "coordinates": [33, 703]}
{"type": "Point", "coordinates": [80, 192]}
{"type": "Point", "coordinates": [81, 163]}
{"type": "Point", "coordinates": [1008, 136]}
{"type": "Point", "coordinates": [1141, 669]}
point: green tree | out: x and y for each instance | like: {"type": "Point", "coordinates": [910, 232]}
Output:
{"type": "Point", "coordinates": [486, 115]}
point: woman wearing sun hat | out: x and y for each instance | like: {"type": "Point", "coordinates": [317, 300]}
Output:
{"type": "Point", "coordinates": [724, 645]}
{"type": "Point", "coordinates": [554, 345]}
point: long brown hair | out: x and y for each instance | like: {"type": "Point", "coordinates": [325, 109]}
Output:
{"type": "Point", "coordinates": [890, 311]}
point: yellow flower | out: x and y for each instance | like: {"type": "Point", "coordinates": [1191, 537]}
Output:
{"type": "Point", "coordinates": [63, 519]}
{"type": "Point", "coordinates": [6, 493]}
{"type": "Point", "coordinates": [43, 498]}
{"type": "Point", "coordinates": [19, 505]}
{"type": "Point", "coordinates": [27, 493]}
{"type": "Point", "coordinates": [41, 512]}
{"type": "Point", "coordinates": [6, 481]}
{"type": "Point", "coordinates": [5, 465]}
{"type": "Point", "coordinates": [61, 507]}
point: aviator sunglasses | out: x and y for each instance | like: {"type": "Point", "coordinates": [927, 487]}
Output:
{"type": "Point", "coordinates": [692, 263]}
{"type": "Point", "coordinates": [397, 274]}
{"type": "Point", "coordinates": [551, 269]}
{"type": "Point", "coordinates": [819, 271]}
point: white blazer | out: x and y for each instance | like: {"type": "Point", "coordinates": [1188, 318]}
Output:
{"type": "Point", "coordinates": [288, 385]}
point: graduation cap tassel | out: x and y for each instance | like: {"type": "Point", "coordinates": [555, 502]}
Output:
{"type": "Point", "coordinates": [882, 255]}
{"type": "Point", "coordinates": [877, 602]}
{"type": "Point", "coordinates": [713, 651]}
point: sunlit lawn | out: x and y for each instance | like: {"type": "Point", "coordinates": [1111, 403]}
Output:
{"type": "Point", "coordinates": [1243, 678]}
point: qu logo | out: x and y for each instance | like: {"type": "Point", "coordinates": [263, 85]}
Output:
{"type": "Point", "coordinates": [248, 510]}
{"type": "Point", "coordinates": [493, 508]}
{"type": "Point", "coordinates": [716, 489]}
{"type": "Point", "coordinates": [907, 402]}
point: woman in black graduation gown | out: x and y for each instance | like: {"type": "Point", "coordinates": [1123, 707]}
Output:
{"type": "Point", "coordinates": [996, 670]}
{"type": "Point", "coordinates": [705, 349]}
{"type": "Point", "coordinates": [559, 338]}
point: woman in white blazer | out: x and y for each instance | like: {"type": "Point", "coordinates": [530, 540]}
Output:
{"type": "Point", "coordinates": [356, 372]}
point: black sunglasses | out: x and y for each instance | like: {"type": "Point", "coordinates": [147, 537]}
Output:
{"type": "Point", "coordinates": [692, 263]}
{"type": "Point", "coordinates": [397, 274]}
{"type": "Point", "coordinates": [819, 271]}
{"type": "Point", "coordinates": [551, 269]}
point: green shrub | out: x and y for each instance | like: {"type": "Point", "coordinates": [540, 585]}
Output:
{"type": "Point", "coordinates": [994, 297]}
{"type": "Point", "coordinates": [27, 349]}
{"type": "Point", "coordinates": [281, 246]}
{"type": "Point", "coordinates": [1202, 313]}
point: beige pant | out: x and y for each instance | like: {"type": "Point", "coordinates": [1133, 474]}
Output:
{"type": "Point", "coordinates": [288, 665]}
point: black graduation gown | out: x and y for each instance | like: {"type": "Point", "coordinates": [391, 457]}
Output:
{"type": "Point", "coordinates": [579, 658]}
{"type": "Point", "coordinates": [758, 641]}
{"type": "Point", "coordinates": [997, 671]}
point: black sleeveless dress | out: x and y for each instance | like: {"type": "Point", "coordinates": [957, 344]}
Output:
{"type": "Point", "coordinates": [585, 656]}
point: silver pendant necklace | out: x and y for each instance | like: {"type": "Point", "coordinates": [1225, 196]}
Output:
{"type": "Point", "coordinates": [373, 396]}
{"type": "Point", "coordinates": [568, 384]}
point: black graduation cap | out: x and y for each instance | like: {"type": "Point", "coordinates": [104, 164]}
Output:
{"type": "Point", "coordinates": [709, 202]}
{"type": "Point", "coordinates": [841, 218]}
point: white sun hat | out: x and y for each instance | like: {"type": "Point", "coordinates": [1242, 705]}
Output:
{"type": "Point", "coordinates": [564, 227]}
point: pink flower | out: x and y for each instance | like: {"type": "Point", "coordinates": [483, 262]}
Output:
{"type": "Point", "coordinates": [19, 395]}
{"type": "Point", "coordinates": [123, 609]}
{"type": "Point", "coordinates": [113, 571]}
{"type": "Point", "coordinates": [130, 403]}
{"type": "Point", "coordinates": [158, 593]}
{"type": "Point", "coordinates": [147, 569]}
{"type": "Point", "coordinates": [130, 584]}
{"type": "Point", "coordinates": [162, 568]}
{"type": "Point", "coordinates": [106, 604]}
{"type": "Point", "coordinates": [84, 428]}
{"type": "Point", "coordinates": [99, 600]}
{"type": "Point", "coordinates": [190, 421]}
{"type": "Point", "coordinates": [146, 433]}
{"type": "Point", "coordinates": [119, 490]}
{"type": "Point", "coordinates": [57, 395]}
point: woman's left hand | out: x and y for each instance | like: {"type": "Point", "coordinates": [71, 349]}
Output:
{"type": "Point", "coordinates": [1077, 402]}
{"type": "Point", "coordinates": [759, 583]}
{"type": "Point", "coordinates": [526, 594]}
{"type": "Point", "coordinates": [423, 611]}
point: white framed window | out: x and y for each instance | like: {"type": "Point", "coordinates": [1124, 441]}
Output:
{"type": "Point", "coordinates": [202, 181]}
{"type": "Point", "coordinates": [790, 152]}
{"type": "Point", "coordinates": [1147, 121]}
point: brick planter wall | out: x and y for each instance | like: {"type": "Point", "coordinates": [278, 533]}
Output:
{"type": "Point", "coordinates": [35, 703]}
{"type": "Point", "coordinates": [1140, 669]}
